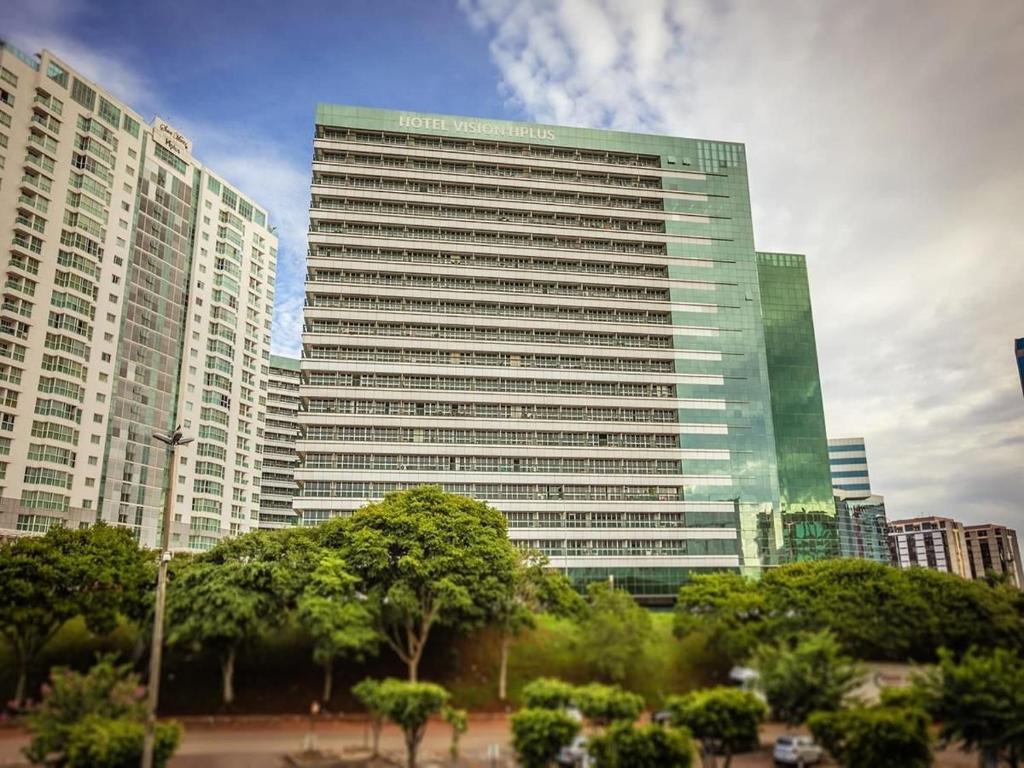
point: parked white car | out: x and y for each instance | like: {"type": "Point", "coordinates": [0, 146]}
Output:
{"type": "Point", "coordinates": [797, 750]}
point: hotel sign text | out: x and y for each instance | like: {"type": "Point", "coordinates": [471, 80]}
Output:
{"type": "Point", "coordinates": [477, 127]}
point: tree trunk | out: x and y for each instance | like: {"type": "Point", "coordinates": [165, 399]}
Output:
{"type": "Point", "coordinates": [410, 745]}
{"type": "Point", "coordinates": [506, 644]}
{"type": "Point", "coordinates": [376, 726]}
{"type": "Point", "coordinates": [19, 691]}
{"type": "Point", "coordinates": [328, 680]}
{"type": "Point", "coordinates": [414, 666]}
{"type": "Point", "coordinates": [228, 675]}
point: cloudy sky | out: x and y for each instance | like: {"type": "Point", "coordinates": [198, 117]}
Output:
{"type": "Point", "coordinates": [884, 140]}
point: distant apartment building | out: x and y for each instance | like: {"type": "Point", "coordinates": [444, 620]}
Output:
{"type": "Point", "coordinates": [993, 550]}
{"type": "Point", "coordinates": [138, 293]}
{"type": "Point", "coordinates": [277, 487]}
{"type": "Point", "coordinates": [938, 543]}
{"type": "Point", "coordinates": [848, 463]}
{"type": "Point", "coordinates": [862, 528]}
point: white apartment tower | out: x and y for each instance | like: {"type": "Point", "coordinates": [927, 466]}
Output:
{"type": "Point", "coordinates": [278, 488]}
{"type": "Point", "coordinates": [138, 293]}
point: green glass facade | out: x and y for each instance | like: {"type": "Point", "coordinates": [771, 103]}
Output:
{"type": "Point", "coordinates": [721, 326]}
{"type": "Point", "coordinates": [805, 486]}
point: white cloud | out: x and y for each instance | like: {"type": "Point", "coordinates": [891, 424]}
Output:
{"type": "Point", "coordinates": [882, 140]}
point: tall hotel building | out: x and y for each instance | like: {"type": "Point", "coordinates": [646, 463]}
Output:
{"type": "Point", "coordinates": [567, 323]}
{"type": "Point", "coordinates": [137, 295]}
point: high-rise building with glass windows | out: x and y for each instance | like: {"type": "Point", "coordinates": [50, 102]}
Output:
{"type": "Point", "coordinates": [138, 292]}
{"type": "Point", "coordinates": [277, 486]}
{"type": "Point", "coordinates": [567, 323]}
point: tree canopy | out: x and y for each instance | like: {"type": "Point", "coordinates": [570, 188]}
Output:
{"type": "Point", "coordinates": [426, 557]}
{"type": "Point", "coordinates": [236, 591]}
{"type": "Point", "coordinates": [616, 631]}
{"type": "Point", "coordinates": [980, 702]}
{"type": "Point", "coordinates": [808, 675]}
{"type": "Point", "coordinates": [97, 572]}
{"type": "Point", "coordinates": [875, 611]}
{"type": "Point", "coordinates": [331, 611]}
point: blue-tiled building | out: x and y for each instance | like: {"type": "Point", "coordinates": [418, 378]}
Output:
{"type": "Point", "coordinates": [848, 462]}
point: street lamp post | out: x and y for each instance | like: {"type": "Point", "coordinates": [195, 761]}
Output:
{"type": "Point", "coordinates": [172, 441]}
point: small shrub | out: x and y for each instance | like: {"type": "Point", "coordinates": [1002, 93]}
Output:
{"type": "Point", "coordinates": [548, 693]}
{"type": "Point", "coordinates": [623, 746]}
{"type": "Point", "coordinates": [94, 719]}
{"type": "Point", "coordinates": [409, 705]}
{"type": "Point", "coordinates": [875, 737]}
{"type": "Point", "coordinates": [103, 742]}
{"type": "Point", "coordinates": [458, 719]}
{"type": "Point", "coordinates": [539, 734]}
{"type": "Point", "coordinates": [725, 720]}
{"type": "Point", "coordinates": [603, 704]}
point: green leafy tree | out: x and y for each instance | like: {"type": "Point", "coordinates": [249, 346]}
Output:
{"type": "Point", "coordinates": [426, 557]}
{"type": "Point", "coordinates": [458, 719]}
{"type": "Point", "coordinates": [536, 588]}
{"type": "Point", "coordinates": [409, 705]}
{"type": "Point", "coordinates": [812, 675]}
{"type": "Point", "coordinates": [624, 746]}
{"type": "Point", "coordinates": [339, 622]}
{"type": "Point", "coordinates": [94, 719]}
{"type": "Point", "coordinates": [548, 693]}
{"type": "Point", "coordinates": [729, 609]}
{"type": "Point", "coordinates": [97, 572]}
{"type": "Point", "coordinates": [539, 734]}
{"type": "Point", "coordinates": [874, 737]}
{"type": "Point", "coordinates": [603, 704]}
{"type": "Point", "coordinates": [370, 693]}
{"type": "Point", "coordinates": [724, 720]}
{"type": "Point", "coordinates": [230, 595]}
{"type": "Point", "coordinates": [874, 610]}
{"type": "Point", "coordinates": [980, 702]}
{"type": "Point", "coordinates": [617, 631]}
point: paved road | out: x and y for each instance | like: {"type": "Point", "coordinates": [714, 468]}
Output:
{"type": "Point", "coordinates": [261, 743]}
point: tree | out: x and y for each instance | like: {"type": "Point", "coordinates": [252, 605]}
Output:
{"type": "Point", "coordinates": [226, 597]}
{"type": "Point", "coordinates": [539, 734]}
{"type": "Point", "coordinates": [812, 675]}
{"type": "Point", "coordinates": [980, 702]}
{"type": "Point", "coordinates": [616, 632]}
{"type": "Point", "coordinates": [874, 737]}
{"type": "Point", "coordinates": [426, 557]}
{"type": "Point", "coordinates": [458, 719]}
{"type": "Point", "coordinates": [625, 746]}
{"type": "Point", "coordinates": [728, 608]}
{"type": "Point", "coordinates": [874, 610]}
{"type": "Point", "coordinates": [339, 622]}
{"type": "Point", "coordinates": [94, 572]}
{"type": "Point", "coordinates": [409, 705]}
{"type": "Point", "coordinates": [548, 693]}
{"type": "Point", "coordinates": [536, 588]}
{"type": "Point", "coordinates": [370, 693]}
{"type": "Point", "coordinates": [725, 720]}
{"type": "Point", "coordinates": [603, 704]}
{"type": "Point", "coordinates": [94, 719]}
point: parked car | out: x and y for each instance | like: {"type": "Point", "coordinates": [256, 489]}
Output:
{"type": "Point", "coordinates": [575, 755]}
{"type": "Point", "coordinates": [797, 750]}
